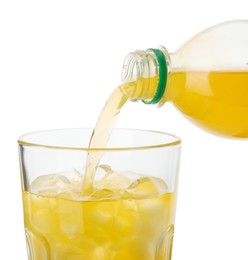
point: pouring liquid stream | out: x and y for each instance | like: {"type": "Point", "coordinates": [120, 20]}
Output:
{"type": "Point", "coordinates": [107, 120]}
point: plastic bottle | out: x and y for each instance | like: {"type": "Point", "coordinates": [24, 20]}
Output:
{"type": "Point", "coordinates": [206, 79]}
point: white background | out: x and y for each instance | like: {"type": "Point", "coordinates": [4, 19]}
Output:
{"type": "Point", "coordinates": [59, 62]}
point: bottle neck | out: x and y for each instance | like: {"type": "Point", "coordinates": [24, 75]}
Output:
{"type": "Point", "coordinates": [148, 71]}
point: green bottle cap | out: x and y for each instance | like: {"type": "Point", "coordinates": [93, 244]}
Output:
{"type": "Point", "coordinates": [162, 76]}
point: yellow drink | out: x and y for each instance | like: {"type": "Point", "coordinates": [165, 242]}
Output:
{"type": "Point", "coordinates": [216, 101]}
{"type": "Point", "coordinates": [133, 225]}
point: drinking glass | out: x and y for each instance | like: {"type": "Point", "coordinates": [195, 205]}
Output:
{"type": "Point", "coordinates": [127, 213]}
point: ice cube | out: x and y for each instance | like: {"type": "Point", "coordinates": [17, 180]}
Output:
{"type": "Point", "coordinates": [103, 194]}
{"type": "Point", "coordinates": [71, 226]}
{"type": "Point", "coordinates": [101, 171]}
{"type": "Point", "coordinates": [109, 179]}
{"type": "Point", "coordinates": [106, 168]}
{"type": "Point", "coordinates": [53, 184]}
{"type": "Point", "coordinates": [114, 181]}
{"type": "Point", "coordinates": [73, 175]}
{"type": "Point", "coordinates": [147, 187]}
{"type": "Point", "coordinates": [68, 195]}
{"type": "Point", "coordinates": [42, 220]}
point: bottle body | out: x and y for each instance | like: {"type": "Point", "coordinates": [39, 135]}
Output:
{"type": "Point", "coordinates": [217, 100]}
{"type": "Point", "coordinates": [207, 79]}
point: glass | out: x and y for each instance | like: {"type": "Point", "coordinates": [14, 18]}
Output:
{"type": "Point", "coordinates": [130, 211]}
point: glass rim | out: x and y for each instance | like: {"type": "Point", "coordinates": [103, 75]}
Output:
{"type": "Point", "coordinates": [177, 141]}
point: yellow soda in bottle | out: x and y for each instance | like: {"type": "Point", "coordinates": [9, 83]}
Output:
{"type": "Point", "coordinates": [206, 79]}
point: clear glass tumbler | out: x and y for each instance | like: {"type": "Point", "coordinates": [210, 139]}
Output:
{"type": "Point", "coordinates": [127, 213]}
